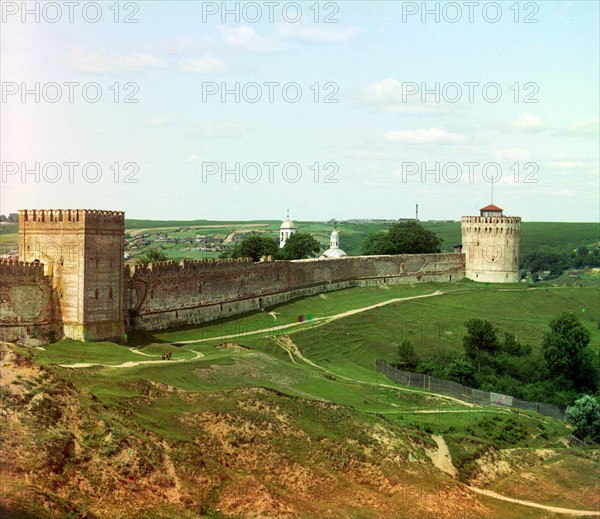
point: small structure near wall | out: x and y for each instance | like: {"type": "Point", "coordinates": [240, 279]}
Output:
{"type": "Point", "coordinates": [334, 250]}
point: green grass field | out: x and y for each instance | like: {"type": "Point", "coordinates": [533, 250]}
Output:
{"type": "Point", "coordinates": [342, 349]}
{"type": "Point", "coordinates": [315, 378]}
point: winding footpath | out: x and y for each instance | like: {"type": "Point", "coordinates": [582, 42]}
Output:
{"type": "Point", "coordinates": [131, 363]}
{"type": "Point", "coordinates": [442, 460]}
{"type": "Point", "coordinates": [319, 320]}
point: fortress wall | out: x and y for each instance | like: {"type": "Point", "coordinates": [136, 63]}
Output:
{"type": "Point", "coordinates": [174, 294]}
{"type": "Point", "coordinates": [29, 311]}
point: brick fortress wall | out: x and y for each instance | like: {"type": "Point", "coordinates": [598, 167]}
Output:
{"type": "Point", "coordinates": [29, 310]}
{"type": "Point", "coordinates": [174, 294]}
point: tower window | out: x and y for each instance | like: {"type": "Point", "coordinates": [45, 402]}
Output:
{"type": "Point", "coordinates": [96, 293]}
{"type": "Point", "coordinates": [110, 293]}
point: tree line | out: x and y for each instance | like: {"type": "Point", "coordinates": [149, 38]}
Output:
{"type": "Point", "coordinates": [565, 371]}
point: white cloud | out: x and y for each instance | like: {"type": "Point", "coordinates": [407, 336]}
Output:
{"type": "Point", "coordinates": [528, 122]}
{"type": "Point", "coordinates": [429, 136]}
{"type": "Point", "coordinates": [202, 65]}
{"type": "Point", "coordinates": [367, 154]}
{"type": "Point", "coordinates": [323, 33]}
{"type": "Point", "coordinates": [248, 39]}
{"type": "Point", "coordinates": [398, 97]}
{"type": "Point", "coordinates": [384, 91]}
{"type": "Point", "coordinates": [95, 63]}
{"type": "Point", "coordinates": [195, 159]}
{"type": "Point", "coordinates": [220, 130]}
{"type": "Point", "coordinates": [180, 44]}
{"type": "Point", "coordinates": [567, 165]}
{"type": "Point", "coordinates": [156, 121]}
{"type": "Point", "coordinates": [512, 154]}
{"type": "Point", "coordinates": [587, 127]}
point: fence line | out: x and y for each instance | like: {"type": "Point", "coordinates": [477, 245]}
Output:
{"type": "Point", "coordinates": [464, 393]}
{"type": "Point", "coordinates": [576, 442]}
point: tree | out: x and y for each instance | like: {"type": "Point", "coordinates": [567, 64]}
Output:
{"type": "Point", "coordinates": [460, 370]}
{"type": "Point", "coordinates": [300, 245]}
{"type": "Point", "coordinates": [152, 256]}
{"type": "Point", "coordinates": [407, 356]}
{"type": "Point", "coordinates": [481, 339]}
{"type": "Point", "coordinates": [257, 246]}
{"type": "Point", "coordinates": [585, 415]}
{"type": "Point", "coordinates": [376, 244]}
{"type": "Point", "coordinates": [564, 349]}
{"type": "Point", "coordinates": [254, 246]}
{"type": "Point", "coordinates": [402, 238]}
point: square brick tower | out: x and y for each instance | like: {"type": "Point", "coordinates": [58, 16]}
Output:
{"type": "Point", "coordinates": [82, 251]}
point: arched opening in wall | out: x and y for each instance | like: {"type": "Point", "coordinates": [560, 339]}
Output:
{"type": "Point", "coordinates": [176, 314]}
{"type": "Point", "coordinates": [61, 293]}
{"type": "Point", "coordinates": [450, 277]}
{"type": "Point", "coordinates": [96, 294]}
{"type": "Point", "coordinates": [260, 303]}
{"type": "Point", "coordinates": [152, 294]}
{"type": "Point", "coordinates": [110, 293]}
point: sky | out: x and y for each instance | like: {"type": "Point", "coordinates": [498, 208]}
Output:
{"type": "Point", "coordinates": [241, 110]}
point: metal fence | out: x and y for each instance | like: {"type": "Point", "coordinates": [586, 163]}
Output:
{"type": "Point", "coordinates": [464, 393]}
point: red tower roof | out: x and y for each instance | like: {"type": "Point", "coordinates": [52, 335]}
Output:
{"type": "Point", "coordinates": [491, 207]}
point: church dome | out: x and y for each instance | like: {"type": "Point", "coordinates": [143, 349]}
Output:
{"type": "Point", "coordinates": [333, 253]}
{"type": "Point", "coordinates": [287, 224]}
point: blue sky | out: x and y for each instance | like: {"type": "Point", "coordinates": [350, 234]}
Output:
{"type": "Point", "coordinates": [371, 61]}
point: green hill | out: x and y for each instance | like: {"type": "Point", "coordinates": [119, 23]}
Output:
{"type": "Point", "coordinates": [269, 414]}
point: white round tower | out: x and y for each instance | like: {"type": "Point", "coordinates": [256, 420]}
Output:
{"type": "Point", "coordinates": [490, 243]}
{"type": "Point", "coordinates": [286, 229]}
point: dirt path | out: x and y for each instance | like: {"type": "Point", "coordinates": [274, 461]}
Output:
{"type": "Point", "coordinates": [320, 320]}
{"type": "Point", "coordinates": [288, 345]}
{"type": "Point", "coordinates": [555, 509]}
{"type": "Point", "coordinates": [441, 459]}
{"type": "Point", "coordinates": [129, 364]}
{"type": "Point", "coordinates": [138, 352]}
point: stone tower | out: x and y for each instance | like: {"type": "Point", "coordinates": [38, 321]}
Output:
{"type": "Point", "coordinates": [490, 243]}
{"type": "Point", "coordinates": [82, 251]}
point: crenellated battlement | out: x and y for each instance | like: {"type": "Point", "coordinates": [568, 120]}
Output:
{"type": "Point", "coordinates": [21, 269]}
{"type": "Point", "coordinates": [183, 265]}
{"type": "Point", "coordinates": [504, 220]}
{"type": "Point", "coordinates": [71, 216]}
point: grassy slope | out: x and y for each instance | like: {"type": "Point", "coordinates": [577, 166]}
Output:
{"type": "Point", "coordinates": [342, 436]}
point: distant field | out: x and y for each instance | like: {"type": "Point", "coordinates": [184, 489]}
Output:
{"type": "Point", "coordinates": [564, 236]}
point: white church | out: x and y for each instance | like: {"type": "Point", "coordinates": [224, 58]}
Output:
{"type": "Point", "coordinates": [287, 228]}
